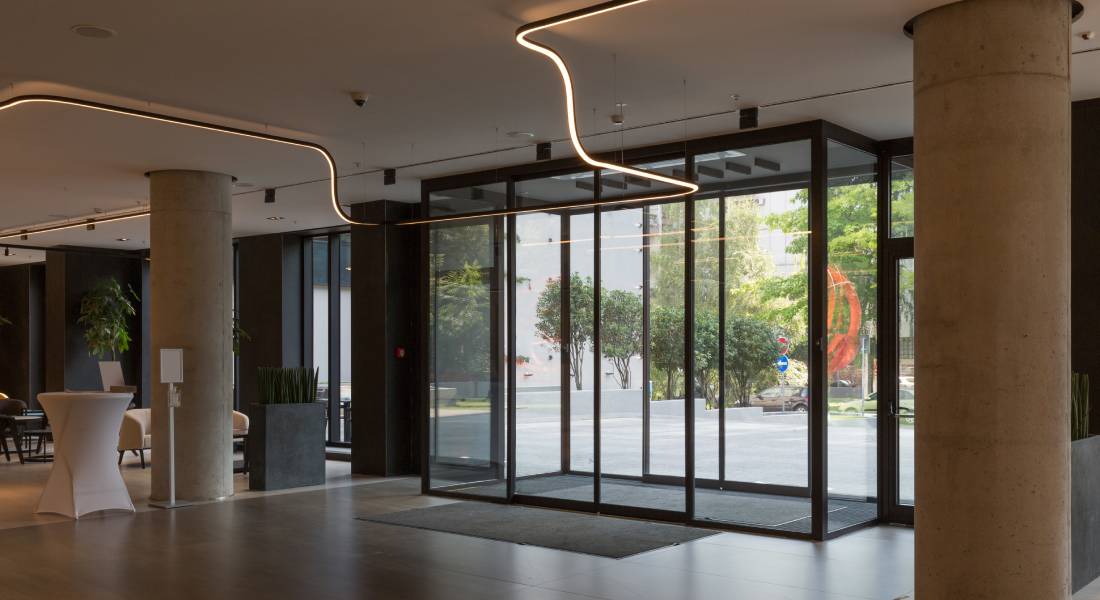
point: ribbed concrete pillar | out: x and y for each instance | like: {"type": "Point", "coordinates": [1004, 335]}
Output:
{"type": "Point", "coordinates": [992, 135]}
{"type": "Point", "coordinates": [191, 279]}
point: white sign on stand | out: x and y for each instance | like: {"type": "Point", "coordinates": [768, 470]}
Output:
{"type": "Point", "coordinates": [171, 372]}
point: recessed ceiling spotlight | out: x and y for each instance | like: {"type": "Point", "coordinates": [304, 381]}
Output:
{"type": "Point", "coordinates": [122, 239]}
{"type": "Point", "coordinates": [275, 218]}
{"type": "Point", "coordinates": [94, 31]}
{"type": "Point", "coordinates": [520, 135]}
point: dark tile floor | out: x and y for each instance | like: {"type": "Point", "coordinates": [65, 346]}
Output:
{"type": "Point", "coordinates": [309, 545]}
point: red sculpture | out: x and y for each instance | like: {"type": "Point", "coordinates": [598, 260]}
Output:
{"type": "Point", "coordinates": [843, 341]}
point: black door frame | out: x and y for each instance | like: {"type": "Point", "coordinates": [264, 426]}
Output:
{"type": "Point", "coordinates": [891, 251]}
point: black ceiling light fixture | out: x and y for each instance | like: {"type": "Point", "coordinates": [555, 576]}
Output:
{"type": "Point", "coordinates": [542, 151]}
{"type": "Point", "coordinates": [269, 196]}
{"type": "Point", "coordinates": [7, 251]}
{"type": "Point", "coordinates": [389, 176]}
{"type": "Point", "coordinates": [91, 225]}
{"type": "Point", "coordinates": [750, 117]}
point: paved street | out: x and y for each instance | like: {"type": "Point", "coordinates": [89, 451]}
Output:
{"type": "Point", "coordinates": [772, 448]}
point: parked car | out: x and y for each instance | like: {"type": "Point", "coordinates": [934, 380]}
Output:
{"type": "Point", "coordinates": [906, 404]}
{"type": "Point", "coordinates": [783, 397]}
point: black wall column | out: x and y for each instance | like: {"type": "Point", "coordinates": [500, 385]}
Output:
{"type": "Point", "coordinates": [269, 294]}
{"type": "Point", "coordinates": [385, 287]}
{"type": "Point", "coordinates": [1085, 248]}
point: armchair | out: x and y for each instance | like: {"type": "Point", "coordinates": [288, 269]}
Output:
{"type": "Point", "coordinates": [135, 434]}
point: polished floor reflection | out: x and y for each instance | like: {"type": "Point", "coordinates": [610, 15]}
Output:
{"type": "Point", "coordinates": [310, 545]}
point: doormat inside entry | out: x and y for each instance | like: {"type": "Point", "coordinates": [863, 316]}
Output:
{"type": "Point", "coordinates": [560, 530]}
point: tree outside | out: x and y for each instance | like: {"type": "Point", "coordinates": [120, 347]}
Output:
{"type": "Point", "coordinates": [548, 324]}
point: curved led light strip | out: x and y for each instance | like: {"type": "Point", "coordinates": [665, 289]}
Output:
{"type": "Point", "coordinates": [567, 81]}
{"type": "Point", "coordinates": [130, 112]}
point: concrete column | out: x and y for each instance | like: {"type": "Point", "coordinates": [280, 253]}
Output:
{"type": "Point", "coordinates": [191, 279]}
{"type": "Point", "coordinates": [992, 144]}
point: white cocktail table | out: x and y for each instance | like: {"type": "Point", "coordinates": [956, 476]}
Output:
{"type": "Point", "coordinates": [84, 477]}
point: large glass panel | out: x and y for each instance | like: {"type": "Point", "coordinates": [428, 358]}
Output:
{"type": "Point", "coordinates": [318, 248]}
{"type": "Point", "coordinates": [642, 431]}
{"type": "Point", "coordinates": [345, 338]}
{"type": "Point", "coordinates": [901, 196]}
{"type": "Point", "coordinates": [467, 417]}
{"type": "Point", "coordinates": [907, 382]}
{"type": "Point", "coordinates": [752, 250]}
{"type": "Point", "coordinates": [708, 245]}
{"type": "Point", "coordinates": [851, 317]}
{"type": "Point", "coordinates": [553, 332]}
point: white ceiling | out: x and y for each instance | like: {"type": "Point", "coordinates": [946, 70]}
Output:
{"type": "Point", "coordinates": [446, 79]}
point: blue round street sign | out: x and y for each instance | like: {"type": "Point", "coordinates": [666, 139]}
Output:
{"type": "Point", "coordinates": [782, 363]}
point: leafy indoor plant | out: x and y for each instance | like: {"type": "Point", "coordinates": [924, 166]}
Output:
{"type": "Point", "coordinates": [105, 313]}
{"type": "Point", "coordinates": [239, 334]}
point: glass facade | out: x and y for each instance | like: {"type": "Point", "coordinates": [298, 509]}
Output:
{"type": "Point", "coordinates": [573, 365]}
{"type": "Point", "coordinates": [328, 327]}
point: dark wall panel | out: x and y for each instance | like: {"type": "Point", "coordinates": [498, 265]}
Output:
{"type": "Point", "coordinates": [1085, 298]}
{"type": "Point", "coordinates": [269, 296]}
{"type": "Point", "coordinates": [385, 287]}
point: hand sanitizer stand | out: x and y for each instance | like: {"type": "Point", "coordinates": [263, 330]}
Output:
{"type": "Point", "coordinates": [171, 372]}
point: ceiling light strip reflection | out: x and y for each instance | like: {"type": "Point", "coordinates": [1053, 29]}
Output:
{"type": "Point", "coordinates": [130, 112]}
{"type": "Point", "coordinates": [567, 83]}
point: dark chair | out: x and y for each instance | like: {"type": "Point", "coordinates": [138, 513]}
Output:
{"type": "Point", "coordinates": [12, 408]}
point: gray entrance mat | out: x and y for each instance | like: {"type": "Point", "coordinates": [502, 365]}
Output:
{"type": "Point", "coordinates": [560, 530]}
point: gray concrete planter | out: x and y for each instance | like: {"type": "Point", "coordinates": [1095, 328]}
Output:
{"type": "Point", "coordinates": [1085, 510]}
{"type": "Point", "coordinates": [286, 446]}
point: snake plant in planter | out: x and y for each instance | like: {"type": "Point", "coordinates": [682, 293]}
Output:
{"type": "Point", "coordinates": [286, 438]}
{"type": "Point", "coordinates": [1084, 487]}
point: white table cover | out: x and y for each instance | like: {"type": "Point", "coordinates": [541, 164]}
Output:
{"type": "Point", "coordinates": [85, 477]}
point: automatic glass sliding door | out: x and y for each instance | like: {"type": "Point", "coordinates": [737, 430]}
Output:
{"type": "Point", "coordinates": [554, 327]}
{"type": "Point", "coordinates": [751, 337]}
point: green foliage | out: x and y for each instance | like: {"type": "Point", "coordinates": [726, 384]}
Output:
{"type": "Point", "coordinates": [548, 324]}
{"type": "Point", "coordinates": [666, 346]}
{"type": "Point", "coordinates": [461, 277]}
{"type": "Point", "coordinates": [620, 331]}
{"type": "Point", "coordinates": [706, 357]}
{"type": "Point", "coordinates": [297, 385]}
{"type": "Point", "coordinates": [105, 313]}
{"type": "Point", "coordinates": [852, 241]}
{"type": "Point", "coordinates": [462, 321]}
{"type": "Point", "coordinates": [1079, 406]}
{"type": "Point", "coordinates": [239, 334]}
{"type": "Point", "coordinates": [751, 351]}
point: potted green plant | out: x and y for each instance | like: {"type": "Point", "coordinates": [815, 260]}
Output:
{"type": "Point", "coordinates": [105, 314]}
{"type": "Point", "coordinates": [1084, 487]}
{"type": "Point", "coordinates": [286, 438]}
